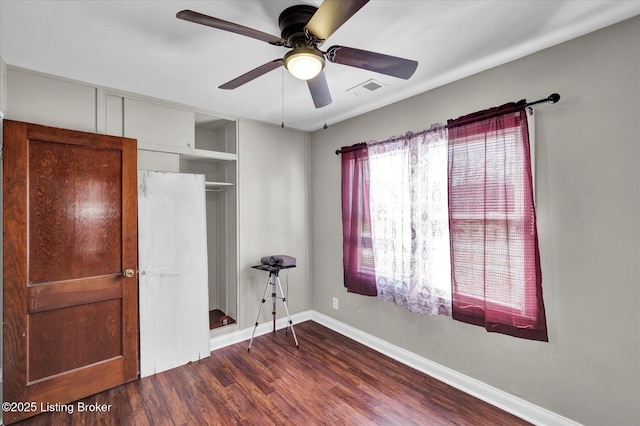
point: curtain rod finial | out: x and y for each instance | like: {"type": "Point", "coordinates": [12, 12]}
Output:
{"type": "Point", "coordinates": [338, 152]}
{"type": "Point", "coordinates": [553, 98]}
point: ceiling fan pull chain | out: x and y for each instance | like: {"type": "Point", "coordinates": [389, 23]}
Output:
{"type": "Point", "coordinates": [282, 95]}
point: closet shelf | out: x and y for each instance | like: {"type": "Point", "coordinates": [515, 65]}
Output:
{"type": "Point", "coordinates": [212, 155]}
{"type": "Point", "coordinates": [189, 153]}
{"type": "Point", "coordinates": [217, 186]}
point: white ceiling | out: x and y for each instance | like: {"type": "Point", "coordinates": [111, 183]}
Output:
{"type": "Point", "coordinates": [141, 47]}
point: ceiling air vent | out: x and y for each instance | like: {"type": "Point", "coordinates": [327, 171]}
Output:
{"type": "Point", "coordinates": [367, 87]}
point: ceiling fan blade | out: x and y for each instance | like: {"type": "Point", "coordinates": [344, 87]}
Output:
{"type": "Point", "coordinates": [210, 21]}
{"type": "Point", "coordinates": [319, 90]}
{"type": "Point", "coordinates": [384, 64]}
{"type": "Point", "coordinates": [331, 15]}
{"type": "Point", "coordinates": [253, 74]}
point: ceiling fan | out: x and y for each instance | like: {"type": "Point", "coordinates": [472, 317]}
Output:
{"type": "Point", "coordinates": [304, 28]}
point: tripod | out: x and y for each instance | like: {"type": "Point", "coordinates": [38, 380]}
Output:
{"type": "Point", "coordinates": [273, 279]}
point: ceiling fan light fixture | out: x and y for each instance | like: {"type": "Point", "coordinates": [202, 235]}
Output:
{"type": "Point", "coordinates": [304, 62]}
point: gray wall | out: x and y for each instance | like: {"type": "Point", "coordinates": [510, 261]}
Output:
{"type": "Point", "coordinates": [588, 186]}
{"type": "Point", "coordinates": [273, 197]}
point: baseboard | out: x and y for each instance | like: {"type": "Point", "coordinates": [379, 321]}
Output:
{"type": "Point", "coordinates": [232, 338]}
{"type": "Point", "coordinates": [494, 396]}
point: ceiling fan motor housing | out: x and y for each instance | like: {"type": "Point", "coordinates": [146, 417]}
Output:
{"type": "Point", "coordinates": [292, 22]}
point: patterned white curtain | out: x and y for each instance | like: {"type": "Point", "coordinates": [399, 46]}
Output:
{"type": "Point", "coordinates": [409, 220]}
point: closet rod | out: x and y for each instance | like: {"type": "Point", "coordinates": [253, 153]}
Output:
{"type": "Point", "coordinates": [551, 99]}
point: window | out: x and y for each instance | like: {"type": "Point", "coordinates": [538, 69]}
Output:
{"type": "Point", "coordinates": [448, 215]}
{"type": "Point", "coordinates": [409, 218]}
{"type": "Point", "coordinates": [496, 277]}
{"type": "Point", "coordinates": [357, 250]}
{"type": "Point", "coordinates": [491, 213]}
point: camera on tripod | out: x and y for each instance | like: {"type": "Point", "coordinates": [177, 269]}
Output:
{"type": "Point", "coordinates": [278, 261]}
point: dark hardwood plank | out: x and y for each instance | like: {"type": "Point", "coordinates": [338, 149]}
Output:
{"type": "Point", "coordinates": [330, 379]}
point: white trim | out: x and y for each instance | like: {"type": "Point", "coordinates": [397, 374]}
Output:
{"type": "Point", "coordinates": [228, 339]}
{"type": "Point", "coordinates": [101, 111]}
{"type": "Point", "coordinates": [494, 396]}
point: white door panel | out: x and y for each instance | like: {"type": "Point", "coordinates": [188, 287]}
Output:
{"type": "Point", "coordinates": [172, 234]}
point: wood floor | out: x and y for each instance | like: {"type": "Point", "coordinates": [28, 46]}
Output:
{"type": "Point", "coordinates": [329, 380]}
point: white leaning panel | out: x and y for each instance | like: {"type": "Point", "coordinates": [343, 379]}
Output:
{"type": "Point", "coordinates": [172, 234]}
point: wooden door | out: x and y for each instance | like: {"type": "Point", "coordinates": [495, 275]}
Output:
{"type": "Point", "coordinates": [70, 233]}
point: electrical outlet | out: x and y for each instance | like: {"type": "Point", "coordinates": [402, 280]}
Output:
{"type": "Point", "coordinates": [335, 303]}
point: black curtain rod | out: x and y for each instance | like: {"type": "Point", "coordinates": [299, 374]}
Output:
{"type": "Point", "coordinates": [551, 99]}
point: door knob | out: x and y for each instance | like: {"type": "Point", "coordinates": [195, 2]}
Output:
{"type": "Point", "coordinates": [128, 273]}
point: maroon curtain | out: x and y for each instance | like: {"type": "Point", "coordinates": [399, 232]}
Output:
{"type": "Point", "coordinates": [357, 251]}
{"type": "Point", "coordinates": [495, 262]}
